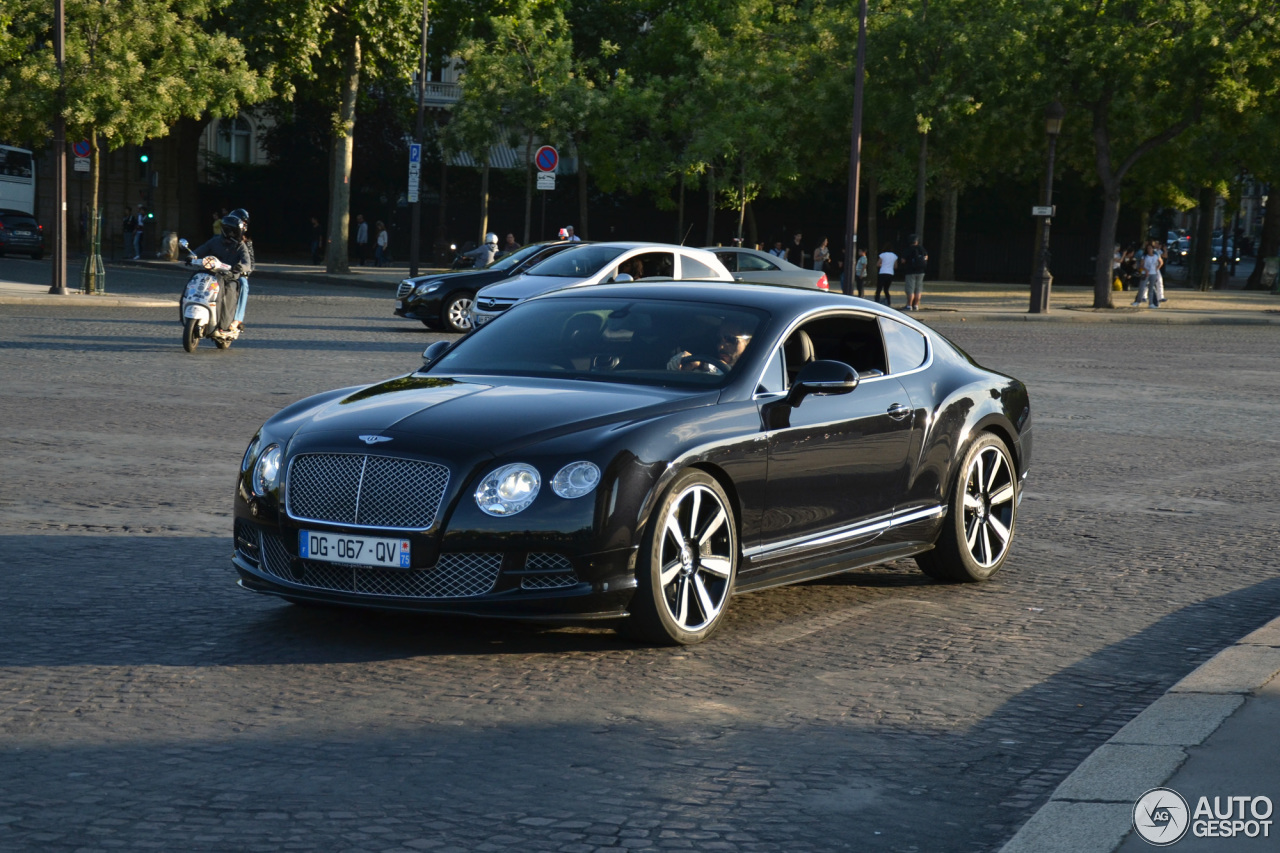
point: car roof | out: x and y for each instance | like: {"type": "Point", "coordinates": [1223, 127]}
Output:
{"type": "Point", "coordinates": [774, 298]}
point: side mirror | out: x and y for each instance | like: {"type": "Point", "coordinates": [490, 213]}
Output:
{"type": "Point", "coordinates": [621, 277]}
{"type": "Point", "coordinates": [432, 353]}
{"type": "Point", "coordinates": [822, 378]}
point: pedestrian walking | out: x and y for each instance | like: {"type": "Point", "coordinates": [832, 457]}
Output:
{"type": "Point", "coordinates": [570, 236]}
{"type": "Point", "coordinates": [795, 252]}
{"type": "Point", "coordinates": [860, 272]}
{"type": "Point", "coordinates": [139, 220]}
{"type": "Point", "coordinates": [380, 256]}
{"type": "Point", "coordinates": [362, 239]}
{"type": "Point", "coordinates": [317, 241]}
{"type": "Point", "coordinates": [126, 228]}
{"type": "Point", "coordinates": [511, 245]}
{"type": "Point", "coordinates": [1152, 282]}
{"type": "Point", "coordinates": [913, 265]}
{"type": "Point", "coordinates": [888, 266]}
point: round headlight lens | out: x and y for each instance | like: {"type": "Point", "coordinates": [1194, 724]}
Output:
{"type": "Point", "coordinates": [576, 479]}
{"type": "Point", "coordinates": [266, 474]}
{"type": "Point", "coordinates": [426, 287]}
{"type": "Point", "coordinates": [250, 453]}
{"type": "Point", "coordinates": [508, 490]}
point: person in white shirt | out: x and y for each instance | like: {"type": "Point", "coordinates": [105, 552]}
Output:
{"type": "Point", "coordinates": [1152, 282]}
{"type": "Point", "coordinates": [888, 265]}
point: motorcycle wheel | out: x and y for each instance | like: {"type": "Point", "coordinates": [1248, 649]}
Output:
{"type": "Point", "coordinates": [191, 332]}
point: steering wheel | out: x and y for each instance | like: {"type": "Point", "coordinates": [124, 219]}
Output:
{"type": "Point", "coordinates": [710, 363]}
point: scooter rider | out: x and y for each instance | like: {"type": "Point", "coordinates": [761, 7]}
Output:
{"type": "Point", "coordinates": [484, 254]}
{"type": "Point", "coordinates": [238, 321]}
{"type": "Point", "coordinates": [231, 249]}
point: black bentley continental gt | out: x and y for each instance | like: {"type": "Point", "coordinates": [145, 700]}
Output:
{"type": "Point", "coordinates": [639, 453]}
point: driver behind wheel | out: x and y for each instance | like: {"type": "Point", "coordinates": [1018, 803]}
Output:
{"type": "Point", "coordinates": [730, 344]}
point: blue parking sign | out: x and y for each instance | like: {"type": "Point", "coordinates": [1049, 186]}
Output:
{"type": "Point", "coordinates": [415, 153]}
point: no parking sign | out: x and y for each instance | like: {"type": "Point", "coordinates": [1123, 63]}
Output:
{"type": "Point", "coordinates": [547, 159]}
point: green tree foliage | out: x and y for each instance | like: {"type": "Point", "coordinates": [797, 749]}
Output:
{"type": "Point", "coordinates": [132, 69]}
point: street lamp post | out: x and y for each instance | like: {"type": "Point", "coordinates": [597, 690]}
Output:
{"type": "Point", "coordinates": [415, 227]}
{"type": "Point", "coordinates": [1043, 282]}
{"type": "Point", "coordinates": [855, 157]}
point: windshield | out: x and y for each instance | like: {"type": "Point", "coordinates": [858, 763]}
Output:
{"type": "Point", "coordinates": [519, 256]}
{"type": "Point", "coordinates": [645, 341]}
{"type": "Point", "coordinates": [579, 262]}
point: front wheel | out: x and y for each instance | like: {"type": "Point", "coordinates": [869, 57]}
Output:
{"type": "Point", "coordinates": [978, 530]}
{"type": "Point", "coordinates": [687, 564]}
{"type": "Point", "coordinates": [191, 332]}
{"type": "Point", "coordinates": [457, 312]}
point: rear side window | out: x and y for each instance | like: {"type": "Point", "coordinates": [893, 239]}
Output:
{"type": "Point", "coordinates": [691, 268]}
{"type": "Point", "coordinates": [749, 263]}
{"type": "Point", "coordinates": [905, 346]}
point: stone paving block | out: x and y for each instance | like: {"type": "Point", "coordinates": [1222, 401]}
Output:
{"type": "Point", "coordinates": [1179, 719]}
{"type": "Point", "coordinates": [1120, 773]}
{"type": "Point", "coordinates": [1238, 669]}
{"type": "Point", "coordinates": [1073, 828]}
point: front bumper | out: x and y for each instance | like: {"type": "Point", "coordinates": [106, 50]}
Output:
{"type": "Point", "coordinates": [530, 581]}
{"type": "Point", "coordinates": [423, 308]}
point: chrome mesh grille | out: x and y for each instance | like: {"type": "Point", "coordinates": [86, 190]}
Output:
{"type": "Point", "coordinates": [554, 572]}
{"type": "Point", "coordinates": [405, 288]}
{"type": "Point", "coordinates": [453, 576]}
{"type": "Point", "coordinates": [365, 491]}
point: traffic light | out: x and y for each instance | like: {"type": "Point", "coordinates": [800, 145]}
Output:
{"type": "Point", "coordinates": [144, 164]}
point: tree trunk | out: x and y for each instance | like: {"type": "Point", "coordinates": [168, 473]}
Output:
{"type": "Point", "coordinates": [528, 188]}
{"type": "Point", "coordinates": [343, 146]}
{"type": "Point", "coordinates": [753, 229]}
{"type": "Point", "coordinates": [1268, 246]}
{"type": "Point", "coordinates": [484, 199]}
{"type": "Point", "coordinates": [680, 213]}
{"type": "Point", "coordinates": [91, 284]}
{"type": "Point", "coordinates": [191, 221]}
{"type": "Point", "coordinates": [950, 217]}
{"type": "Point", "coordinates": [581, 230]}
{"type": "Point", "coordinates": [922, 173]}
{"type": "Point", "coordinates": [442, 214]}
{"type": "Point", "coordinates": [711, 206]}
{"type": "Point", "coordinates": [742, 205]}
{"type": "Point", "coordinates": [1106, 237]}
{"type": "Point", "coordinates": [1198, 273]}
{"type": "Point", "coordinates": [1144, 226]}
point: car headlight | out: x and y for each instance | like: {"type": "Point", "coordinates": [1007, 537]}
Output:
{"type": "Point", "coordinates": [508, 489]}
{"type": "Point", "coordinates": [266, 474]}
{"type": "Point", "coordinates": [425, 288]}
{"type": "Point", "coordinates": [250, 453]}
{"type": "Point", "coordinates": [576, 479]}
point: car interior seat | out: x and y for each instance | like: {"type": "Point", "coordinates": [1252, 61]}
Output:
{"type": "Point", "coordinates": [798, 351]}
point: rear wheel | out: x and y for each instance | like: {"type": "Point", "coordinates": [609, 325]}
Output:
{"type": "Point", "coordinates": [191, 332]}
{"type": "Point", "coordinates": [978, 529]}
{"type": "Point", "coordinates": [457, 312]}
{"type": "Point", "coordinates": [687, 564]}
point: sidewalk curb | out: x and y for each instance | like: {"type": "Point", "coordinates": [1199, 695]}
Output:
{"type": "Point", "coordinates": [1172, 318]}
{"type": "Point", "coordinates": [77, 298]}
{"type": "Point", "coordinates": [1092, 810]}
{"type": "Point", "coordinates": [318, 276]}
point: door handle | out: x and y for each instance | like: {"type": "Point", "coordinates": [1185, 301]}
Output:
{"type": "Point", "coordinates": [898, 411]}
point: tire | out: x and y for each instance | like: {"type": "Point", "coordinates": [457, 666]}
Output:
{"type": "Point", "coordinates": [191, 333]}
{"type": "Point", "coordinates": [978, 530]}
{"type": "Point", "coordinates": [683, 592]}
{"type": "Point", "coordinates": [456, 313]}
{"type": "Point", "coordinates": [433, 325]}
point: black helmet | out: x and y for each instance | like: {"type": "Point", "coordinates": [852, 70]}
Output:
{"type": "Point", "coordinates": [233, 227]}
{"type": "Point", "coordinates": [244, 216]}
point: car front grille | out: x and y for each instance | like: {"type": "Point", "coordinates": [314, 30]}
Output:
{"type": "Point", "coordinates": [493, 305]}
{"type": "Point", "coordinates": [365, 491]}
{"type": "Point", "coordinates": [453, 576]}
{"type": "Point", "coordinates": [548, 571]}
{"type": "Point", "coordinates": [405, 288]}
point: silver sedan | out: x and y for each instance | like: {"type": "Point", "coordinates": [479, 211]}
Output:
{"type": "Point", "coordinates": [752, 265]}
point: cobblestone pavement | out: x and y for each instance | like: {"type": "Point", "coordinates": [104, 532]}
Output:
{"type": "Point", "coordinates": [147, 703]}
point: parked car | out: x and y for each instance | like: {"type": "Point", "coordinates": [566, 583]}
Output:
{"type": "Point", "coordinates": [443, 300]}
{"type": "Point", "coordinates": [638, 454]}
{"type": "Point", "coordinates": [1179, 250]}
{"type": "Point", "coordinates": [1231, 251]}
{"type": "Point", "coordinates": [756, 266]}
{"type": "Point", "coordinates": [597, 263]}
{"type": "Point", "coordinates": [21, 234]}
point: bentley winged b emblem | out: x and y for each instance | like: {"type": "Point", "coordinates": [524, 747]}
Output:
{"type": "Point", "coordinates": [374, 439]}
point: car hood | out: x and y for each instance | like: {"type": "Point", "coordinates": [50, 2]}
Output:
{"type": "Point", "coordinates": [525, 286]}
{"type": "Point", "coordinates": [480, 277]}
{"type": "Point", "coordinates": [498, 415]}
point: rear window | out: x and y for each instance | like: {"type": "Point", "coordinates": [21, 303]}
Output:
{"type": "Point", "coordinates": [14, 220]}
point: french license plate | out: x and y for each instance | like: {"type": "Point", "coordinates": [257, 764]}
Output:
{"type": "Point", "coordinates": [399, 303]}
{"type": "Point", "coordinates": [22, 233]}
{"type": "Point", "coordinates": [353, 550]}
{"type": "Point", "coordinates": [480, 319]}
